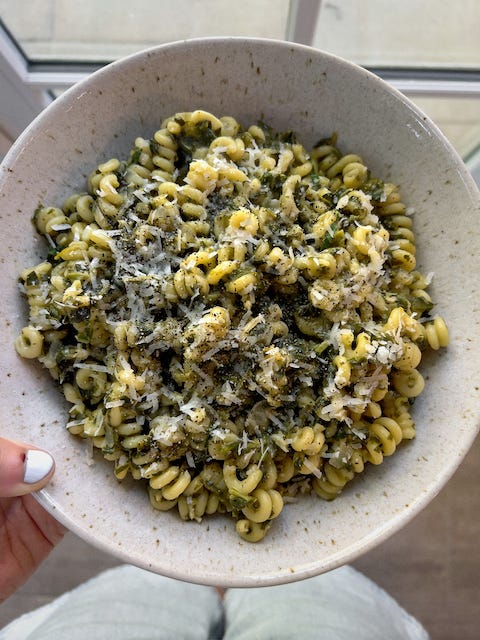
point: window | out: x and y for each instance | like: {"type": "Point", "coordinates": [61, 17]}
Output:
{"type": "Point", "coordinates": [427, 49]}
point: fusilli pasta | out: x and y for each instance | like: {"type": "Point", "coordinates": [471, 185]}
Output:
{"type": "Point", "coordinates": [233, 319]}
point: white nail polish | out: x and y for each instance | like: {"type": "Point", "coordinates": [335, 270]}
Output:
{"type": "Point", "coordinates": [38, 464]}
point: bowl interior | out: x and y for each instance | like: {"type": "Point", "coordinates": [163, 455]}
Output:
{"type": "Point", "coordinates": [291, 88]}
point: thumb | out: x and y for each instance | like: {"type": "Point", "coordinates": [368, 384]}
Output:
{"type": "Point", "coordinates": [23, 468]}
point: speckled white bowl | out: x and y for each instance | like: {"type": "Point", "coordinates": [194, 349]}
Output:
{"type": "Point", "coordinates": [290, 87]}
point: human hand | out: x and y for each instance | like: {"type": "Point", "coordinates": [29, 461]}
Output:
{"type": "Point", "coordinates": [27, 532]}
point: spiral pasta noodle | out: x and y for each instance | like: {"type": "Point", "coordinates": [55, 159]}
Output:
{"type": "Point", "coordinates": [234, 320]}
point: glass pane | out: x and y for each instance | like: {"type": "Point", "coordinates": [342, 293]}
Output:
{"type": "Point", "coordinates": [458, 118]}
{"type": "Point", "coordinates": [60, 30]}
{"type": "Point", "coordinates": [410, 33]}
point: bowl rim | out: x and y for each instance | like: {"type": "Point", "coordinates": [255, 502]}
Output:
{"type": "Point", "coordinates": [394, 524]}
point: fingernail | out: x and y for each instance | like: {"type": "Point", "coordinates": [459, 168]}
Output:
{"type": "Point", "coordinates": [38, 464]}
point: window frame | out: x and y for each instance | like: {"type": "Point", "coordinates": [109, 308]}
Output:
{"type": "Point", "coordinates": [28, 86]}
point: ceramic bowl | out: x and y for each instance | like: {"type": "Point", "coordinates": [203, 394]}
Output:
{"type": "Point", "coordinates": [290, 87]}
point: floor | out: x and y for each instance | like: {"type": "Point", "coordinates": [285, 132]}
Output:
{"type": "Point", "coordinates": [432, 566]}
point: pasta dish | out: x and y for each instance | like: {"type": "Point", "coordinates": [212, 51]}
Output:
{"type": "Point", "coordinates": [235, 320]}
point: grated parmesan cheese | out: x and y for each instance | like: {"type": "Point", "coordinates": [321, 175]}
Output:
{"type": "Point", "coordinates": [231, 304]}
